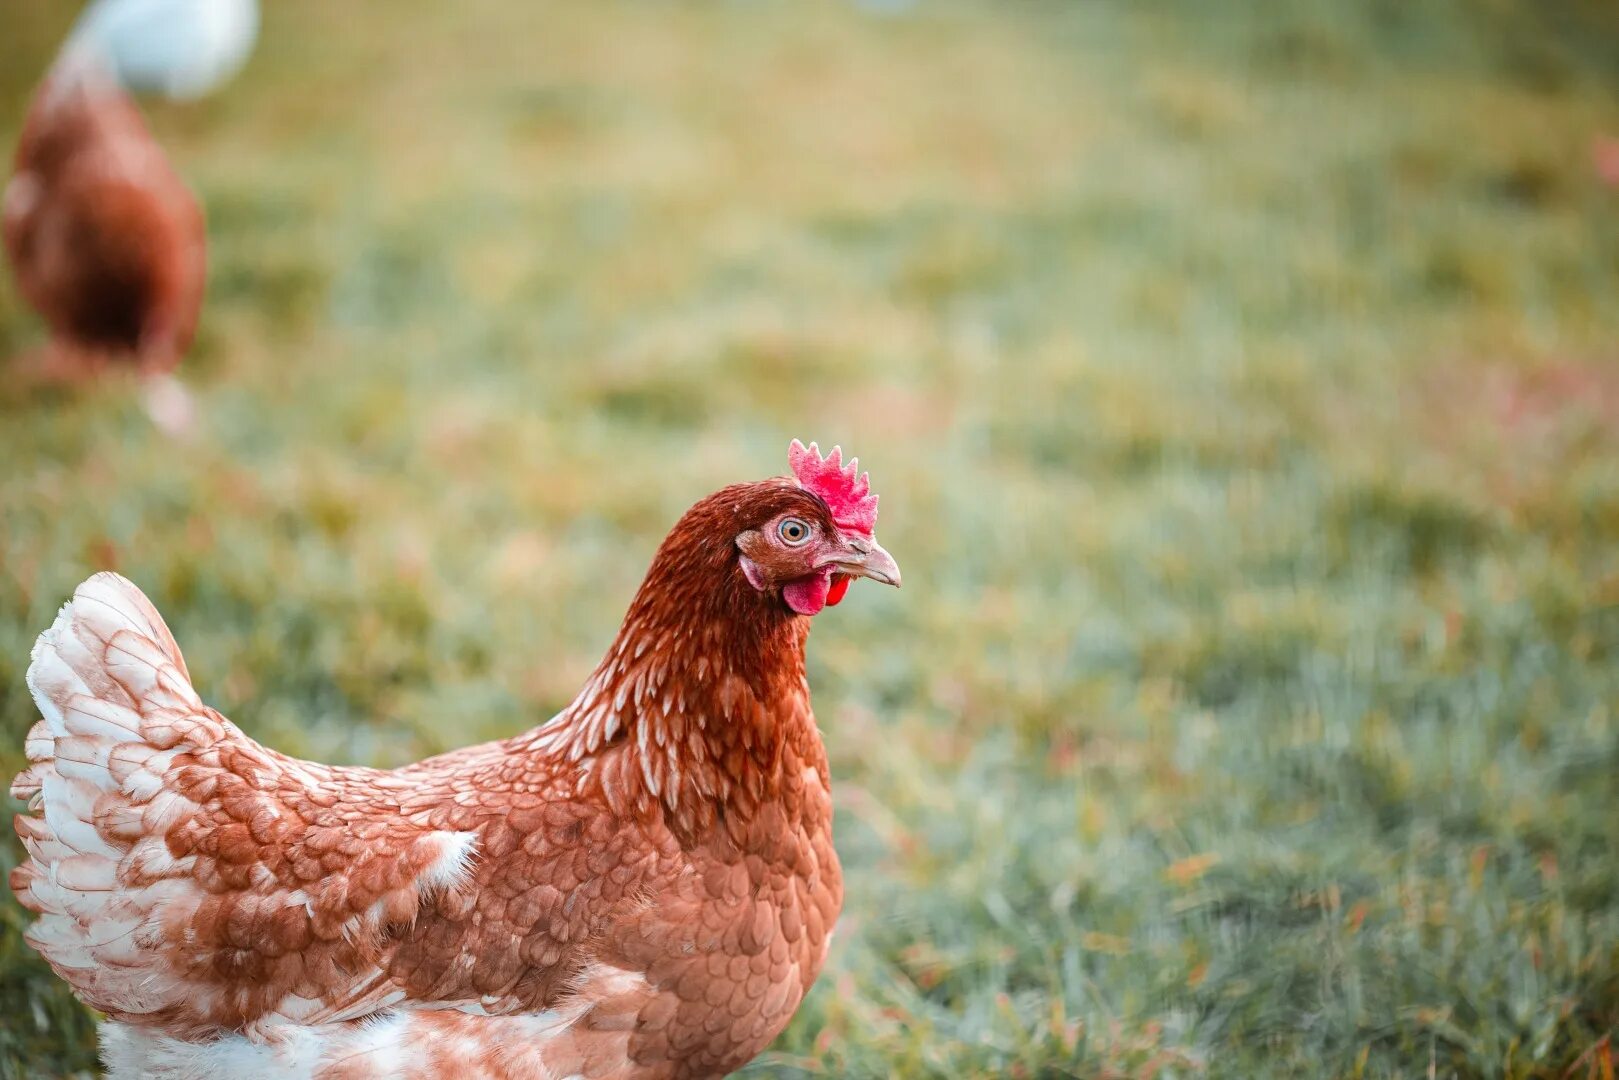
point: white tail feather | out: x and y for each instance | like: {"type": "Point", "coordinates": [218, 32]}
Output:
{"type": "Point", "coordinates": [145, 806]}
{"type": "Point", "coordinates": [104, 665]}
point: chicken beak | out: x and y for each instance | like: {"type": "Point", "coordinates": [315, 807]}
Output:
{"type": "Point", "coordinates": [865, 557]}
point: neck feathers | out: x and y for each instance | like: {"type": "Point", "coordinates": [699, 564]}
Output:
{"type": "Point", "coordinates": [700, 711]}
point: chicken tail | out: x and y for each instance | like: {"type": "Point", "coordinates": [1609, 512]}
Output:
{"type": "Point", "coordinates": [115, 701]}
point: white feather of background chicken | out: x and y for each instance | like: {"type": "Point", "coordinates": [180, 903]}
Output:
{"type": "Point", "coordinates": [178, 48]}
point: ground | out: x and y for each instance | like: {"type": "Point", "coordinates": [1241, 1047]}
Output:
{"type": "Point", "coordinates": [1240, 382]}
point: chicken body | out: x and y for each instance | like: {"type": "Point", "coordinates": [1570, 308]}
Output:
{"type": "Point", "coordinates": [644, 887]}
{"type": "Point", "coordinates": [106, 242]}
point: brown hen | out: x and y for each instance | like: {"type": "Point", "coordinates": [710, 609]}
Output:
{"type": "Point", "coordinates": [643, 887]}
{"type": "Point", "coordinates": [105, 240]}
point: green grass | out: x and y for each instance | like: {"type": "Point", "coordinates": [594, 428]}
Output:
{"type": "Point", "coordinates": [1240, 381]}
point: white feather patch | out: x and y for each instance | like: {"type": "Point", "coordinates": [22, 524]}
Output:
{"type": "Point", "coordinates": [453, 864]}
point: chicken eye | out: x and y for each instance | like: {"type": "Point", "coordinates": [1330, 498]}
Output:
{"type": "Point", "coordinates": [793, 531]}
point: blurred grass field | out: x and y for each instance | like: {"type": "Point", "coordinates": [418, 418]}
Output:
{"type": "Point", "coordinates": [1241, 382]}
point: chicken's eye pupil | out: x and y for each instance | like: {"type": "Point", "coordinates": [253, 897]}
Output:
{"type": "Point", "coordinates": [793, 531]}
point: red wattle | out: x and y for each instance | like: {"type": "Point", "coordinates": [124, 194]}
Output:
{"type": "Point", "coordinates": [840, 585]}
{"type": "Point", "coordinates": [807, 596]}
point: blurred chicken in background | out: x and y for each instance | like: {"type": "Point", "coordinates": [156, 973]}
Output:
{"type": "Point", "coordinates": [105, 240]}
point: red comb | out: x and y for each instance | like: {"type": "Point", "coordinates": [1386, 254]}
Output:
{"type": "Point", "coordinates": [846, 493]}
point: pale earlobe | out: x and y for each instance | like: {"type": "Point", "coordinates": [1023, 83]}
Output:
{"type": "Point", "coordinates": [754, 573]}
{"type": "Point", "coordinates": [750, 544]}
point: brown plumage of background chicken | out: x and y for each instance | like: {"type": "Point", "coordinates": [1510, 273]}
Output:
{"type": "Point", "coordinates": [643, 887]}
{"type": "Point", "coordinates": [105, 240]}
